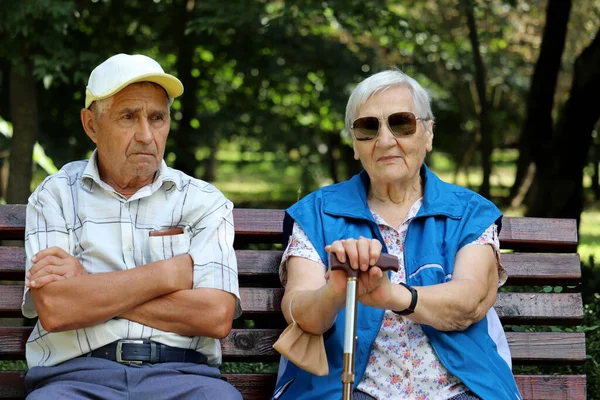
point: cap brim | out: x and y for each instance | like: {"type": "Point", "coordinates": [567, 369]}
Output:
{"type": "Point", "coordinates": [172, 85]}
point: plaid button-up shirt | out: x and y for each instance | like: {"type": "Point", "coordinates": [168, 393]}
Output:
{"type": "Point", "coordinates": [78, 212]}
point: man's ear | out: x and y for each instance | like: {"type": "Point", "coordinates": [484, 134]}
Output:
{"type": "Point", "coordinates": [88, 120]}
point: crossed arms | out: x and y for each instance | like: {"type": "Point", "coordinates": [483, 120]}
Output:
{"type": "Point", "coordinates": [158, 294]}
{"type": "Point", "coordinates": [452, 306]}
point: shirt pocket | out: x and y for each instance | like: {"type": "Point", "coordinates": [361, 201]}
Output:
{"type": "Point", "coordinates": [168, 246]}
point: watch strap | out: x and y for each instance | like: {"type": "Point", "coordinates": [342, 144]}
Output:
{"type": "Point", "coordinates": [413, 301]}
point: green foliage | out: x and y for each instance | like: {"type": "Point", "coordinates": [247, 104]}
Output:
{"type": "Point", "coordinates": [35, 31]}
{"type": "Point", "coordinates": [248, 368]}
{"type": "Point", "coordinates": [6, 365]}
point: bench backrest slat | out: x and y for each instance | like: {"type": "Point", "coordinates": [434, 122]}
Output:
{"type": "Point", "coordinates": [522, 268]}
{"type": "Point", "coordinates": [265, 226]}
{"type": "Point", "coordinates": [513, 308]}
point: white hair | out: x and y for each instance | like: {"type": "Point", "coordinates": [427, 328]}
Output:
{"type": "Point", "coordinates": [382, 81]}
{"type": "Point", "coordinates": [98, 107]}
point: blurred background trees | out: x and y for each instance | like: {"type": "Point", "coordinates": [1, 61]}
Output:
{"type": "Point", "coordinates": [268, 81]}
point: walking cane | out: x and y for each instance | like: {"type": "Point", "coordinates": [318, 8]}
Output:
{"type": "Point", "coordinates": [386, 262]}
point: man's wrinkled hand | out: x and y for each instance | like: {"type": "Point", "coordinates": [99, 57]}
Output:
{"type": "Point", "coordinates": [51, 265]}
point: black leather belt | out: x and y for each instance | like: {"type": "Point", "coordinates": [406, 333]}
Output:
{"type": "Point", "coordinates": [138, 351]}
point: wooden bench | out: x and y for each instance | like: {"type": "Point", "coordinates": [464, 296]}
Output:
{"type": "Point", "coordinates": [545, 254]}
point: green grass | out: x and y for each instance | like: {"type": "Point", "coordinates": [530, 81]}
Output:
{"type": "Point", "coordinates": [589, 236]}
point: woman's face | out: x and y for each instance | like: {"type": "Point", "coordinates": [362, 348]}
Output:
{"type": "Point", "coordinates": [389, 159]}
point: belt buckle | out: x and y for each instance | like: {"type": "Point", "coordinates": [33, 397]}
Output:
{"type": "Point", "coordinates": [119, 355]}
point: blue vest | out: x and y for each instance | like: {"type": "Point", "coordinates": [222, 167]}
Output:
{"type": "Point", "coordinates": [450, 217]}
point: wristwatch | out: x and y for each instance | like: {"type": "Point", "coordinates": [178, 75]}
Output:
{"type": "Point", "coordinates": [413, 301]}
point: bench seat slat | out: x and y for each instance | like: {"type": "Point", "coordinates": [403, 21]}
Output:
{"type": "Point", "coordinates": [257, 345]}
{"type": "Point", "coordinates": [513, 308]}
{"type": "Point", "coordinates": [260, 386]}
{"type": "Point", "coordinates": [522, 268]}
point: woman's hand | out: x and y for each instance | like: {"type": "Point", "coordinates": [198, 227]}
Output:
{"type": "Point", "coordinates": [362, 254]}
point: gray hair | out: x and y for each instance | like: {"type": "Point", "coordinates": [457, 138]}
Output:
{"type": "Point", "coordinates": [382, 81]}
{"type": "Point", "coordinates": [98, 107]}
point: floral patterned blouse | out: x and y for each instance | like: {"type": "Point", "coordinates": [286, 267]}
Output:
{"type": "Point", "coordinates": [402, 364]}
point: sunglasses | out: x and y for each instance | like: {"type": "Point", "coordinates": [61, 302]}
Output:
{"type": "Point", "coordinates": [400, 124]}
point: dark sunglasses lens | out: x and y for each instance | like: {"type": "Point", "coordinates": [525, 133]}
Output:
{"type": "Point", "coordinates": [403, 123]}
{"type": "Point", "coordinates": [366, 128]}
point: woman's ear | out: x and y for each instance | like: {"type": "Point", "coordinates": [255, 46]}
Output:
{"type": "Point", "coordinates": [356, 155]}
{"type": "Point", "coordinates": [88, 120]}
{"type": "Point", "coordinates": [429, 133]}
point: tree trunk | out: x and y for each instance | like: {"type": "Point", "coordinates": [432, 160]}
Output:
{"type": "Point", "coordinates": [334, 144]}
{"type": "Point", "coordinates": [24, 115]}
{"type": "Point", "coordinates": [595, 182]}
{"type": "Point", "coordinates": [560, 187]}
{"type": "Point", "coordinates": [484, 118]}
{"type": "Point", "coordinates": [466, 158]}
{"type": "Point", "coordinates": [536, 132]}
{"type": "Point", "coordinates": [185, 146]}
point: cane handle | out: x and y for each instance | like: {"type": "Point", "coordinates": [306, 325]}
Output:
{"type": "Point", "coordinates": [386, 262]}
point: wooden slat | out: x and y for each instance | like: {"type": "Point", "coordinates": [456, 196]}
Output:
{"type": "Point", "coordinates": [513, 308]}
{"type": "Point", "coordinates": [546, 347]}
{"type": "Point", "coordinates": [257, 345]}
{"type": "Point", "coordinates": [256, 225]}
{"type": "Point", "coordinates": [12, 221]}
{"type": "Point", "coordinates": [542, 269]}
{"type": "Point", "coordinates": [552, 387]}
{"type": "Point", "coordinates": [260, 386]}
{"type": "Point", "coordinates": [12, 263]}
{"type": "Point", "coordinates": [12, 342]}
{"type": "Point", "coordinates": [10, 304]}
{"type": "Point", "coordinates": [540, 308]}
{"type": "Point", "coordinates": [522, 268]}
{"type": "Point", "coordinates": [539, 234]}
{"type": "Point", "coordinates": [12, 385]}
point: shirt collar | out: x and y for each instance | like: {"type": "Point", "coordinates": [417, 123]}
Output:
{"type": "Point", "coordinates": [164, 175]}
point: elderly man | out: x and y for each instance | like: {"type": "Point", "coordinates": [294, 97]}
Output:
{"type": "Point", "coordinates": [130, 265]}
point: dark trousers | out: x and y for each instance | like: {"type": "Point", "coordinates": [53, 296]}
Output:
{"type": "Point", "coordinates": [96, 378]}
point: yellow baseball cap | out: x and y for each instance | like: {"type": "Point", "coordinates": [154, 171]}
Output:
{"type": "Point", "coordinates": [122, 70]}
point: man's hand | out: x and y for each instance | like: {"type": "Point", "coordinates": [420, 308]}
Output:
{"type": "Point", "coordinates": [51, 265]}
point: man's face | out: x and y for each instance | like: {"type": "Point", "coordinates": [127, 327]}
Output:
{"type": "Point", "coordinates": [131, 134]}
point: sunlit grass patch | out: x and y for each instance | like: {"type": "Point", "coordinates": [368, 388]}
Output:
{"type": "Point", "coordinates": [589, 235]}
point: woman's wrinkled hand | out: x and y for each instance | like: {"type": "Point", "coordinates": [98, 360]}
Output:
{"type": "Point", "coordinates": [51, 265]}
{"type": "Point", "coordinates": [362, 254]}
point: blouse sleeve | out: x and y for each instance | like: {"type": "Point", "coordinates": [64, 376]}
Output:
{"type": "Point", "coordinates": [298, 246]}
{"type": "Point", "coordinates": [490, 236]}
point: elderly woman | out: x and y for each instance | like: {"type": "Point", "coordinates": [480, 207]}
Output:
{"type": "Point", "coordinates": [428, 331]}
